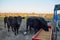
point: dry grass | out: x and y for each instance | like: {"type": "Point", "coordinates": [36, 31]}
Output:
{"type": "Point", "coordinates": [25, 14]}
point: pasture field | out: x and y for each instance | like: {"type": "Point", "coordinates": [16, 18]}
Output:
{"type": "Point", "coordinates": [1, 18]}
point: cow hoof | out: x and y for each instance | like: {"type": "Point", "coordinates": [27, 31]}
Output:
{"type": "Point", "coordinates": [15, 34]}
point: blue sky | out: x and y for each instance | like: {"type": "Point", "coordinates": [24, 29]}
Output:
{"type": "Point", "coordinates": [37, 6]}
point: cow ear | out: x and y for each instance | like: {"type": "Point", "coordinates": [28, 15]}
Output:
{"type": "Point", "coordinates": [23, 17]}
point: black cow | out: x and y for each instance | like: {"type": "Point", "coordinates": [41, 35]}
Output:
{"type": "Point", "coordinates": [5, 21]}
{"type": "Point", "coordinates": [36, 23]}
{"type": "Point", "coordinates": [14, 23]}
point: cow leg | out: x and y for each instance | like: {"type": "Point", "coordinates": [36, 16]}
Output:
{"type": "Point", "coordinates": [35, 30]}
{"type": "Point", "coordinates": [15, 31]}
{"type": "Point", "coordinates": [8, 26]}
{"type": "Point", "coordinates": [30, 28]}
{"type": "Point", "coordinates": [27, 28]}
{"type": "Point", "coordinates": [12, 27]}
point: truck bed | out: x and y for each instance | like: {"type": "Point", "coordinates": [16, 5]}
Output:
{"type": "Point", "coordinates": [43, 35]}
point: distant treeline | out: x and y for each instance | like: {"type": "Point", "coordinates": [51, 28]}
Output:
{"type": "Point", "coordinates": [26, 14]}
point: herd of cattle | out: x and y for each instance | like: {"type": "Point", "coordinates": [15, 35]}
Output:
{"type": "Point", "coordinates": [32, 22]}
